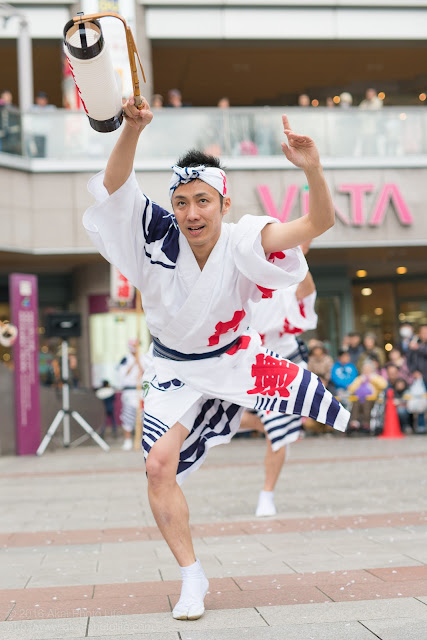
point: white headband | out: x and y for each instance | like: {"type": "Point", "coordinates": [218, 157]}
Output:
{"type": "Point", "coordinates": [211, 175]}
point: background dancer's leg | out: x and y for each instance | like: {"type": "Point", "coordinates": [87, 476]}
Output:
{"type": "Point", "coordinates": [251, 422]}
{"type": "Point", "coordinates": [273, 463]}
{"type": "Point", "coordinates": [170, 511]}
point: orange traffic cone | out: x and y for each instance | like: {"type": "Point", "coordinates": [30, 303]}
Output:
{"type": "Point", "coordinates": [391, 419]}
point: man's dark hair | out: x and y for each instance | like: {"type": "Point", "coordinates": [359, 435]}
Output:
{"type": "Point", "coordinates": [194, 158]}
{"type": "Point", "coordinates": [341, 352]}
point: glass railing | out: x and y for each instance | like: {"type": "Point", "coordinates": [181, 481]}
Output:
{"type": "Point", "coordinates": [64, 135]}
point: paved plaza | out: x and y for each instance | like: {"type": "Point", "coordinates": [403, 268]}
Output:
{"type": "Point", "coordinates": [345, 558]}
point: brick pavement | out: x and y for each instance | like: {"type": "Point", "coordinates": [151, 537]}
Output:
{"type": "Point", "coordinates": [346, 556]}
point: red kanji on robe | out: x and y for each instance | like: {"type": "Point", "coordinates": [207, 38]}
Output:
{"type": "Point", "coordinates": [289, 329]}
{"type": "Point", "coordinates": [272, 376]}
{"type": "Point", "coordinates": [225, 327]}
{"type": "Point", "coordinates": [241, 344]}
{"type": "Point", "coordinates": [268, 293]}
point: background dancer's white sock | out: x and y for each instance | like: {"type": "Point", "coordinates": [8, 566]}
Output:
{"type": "Point", "coordinates": [194, 588]}
{"type": "Point", "coordinates": [266, 505]}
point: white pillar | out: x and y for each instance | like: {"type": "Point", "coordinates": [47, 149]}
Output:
{"type": "Point", "coordinates": [25, 66]}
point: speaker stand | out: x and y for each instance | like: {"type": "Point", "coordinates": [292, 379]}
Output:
{"type": "Point", "coordinates": [65, 414]}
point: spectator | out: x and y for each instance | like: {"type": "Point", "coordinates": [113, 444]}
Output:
{"type": "Point", "coordinates": [370, 351]}
{"type": "Point", "coordinates": [343, 372]}
{"type": "Point", "coordinates": [396, 358]}
{"type": "Point", "coordinates": [108, 395]}
{"type": "Point", "coordinates": [406, 333]}
{"type": "Point", "coordinates": [42, 102]}
{"type": "Point", "coordinates": [40, 126]}
{"type": "Point", "coordinates": [417, 402]}
{"type": "Point", "coordinates": [157, 101]}
{"type": "Point", "coordinates": [319, 362]}
{"type": "Point", "coordinates": [400, 389]}
{"type": "Point", "coordinates": [223, 103]}
{"type": "Point", "coordinates": [303, 100]}
{"type": "Point", "coordinates": [355, 347]}
{"type": "Point", "coordinates": [365, 389]}
{"type": "Point", "coordinates": [390, 373]}
{"type": "Point", "coordinates": [10, 124]}
{"type": "Point", "coordinates": [6, 98]}
{"type": "Point", "coordinates": [330, 102]}
{"type": "Point", "coordinates": [346, 100]}
{"type": "Point", "coordinates": [174, 98]}
{"type": "Point", "coordinates": [371, 101]}
{"type": "Point", "coordinates": [417, 353]}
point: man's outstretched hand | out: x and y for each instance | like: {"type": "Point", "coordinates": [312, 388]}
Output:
{"type": "Point", "coordinates": [300, 150]}
{"type": "Point", "coordinates": [137, 118]}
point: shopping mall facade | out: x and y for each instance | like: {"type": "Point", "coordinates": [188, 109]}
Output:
{"type": "Point", "coordinates": [370, 269]}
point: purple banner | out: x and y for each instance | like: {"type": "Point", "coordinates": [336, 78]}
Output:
{"type": "Point", "coordinates": [24, 314]}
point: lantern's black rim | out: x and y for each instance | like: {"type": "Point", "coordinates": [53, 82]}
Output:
{"type": "Point", "coordinates": [84, 53]}
{"type": "Point", "coordinates": [106, 126]}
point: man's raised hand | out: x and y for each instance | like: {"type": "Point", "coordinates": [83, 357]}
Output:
{"type": "Point", "coordinates": [300, 150]}
{"type": "Point", "coordinates": [137, 118]}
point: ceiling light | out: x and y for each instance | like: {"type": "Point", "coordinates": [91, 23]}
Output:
{"type": "Point", "coordinates": [366, 291]}
{"type": "Point", "coordinates": [361, 273]}
{"type": "Point", "coordinates": [401, 270]}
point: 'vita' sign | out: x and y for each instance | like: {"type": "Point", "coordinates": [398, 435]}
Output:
{"type": "Point", "coordinates": [389, 195]}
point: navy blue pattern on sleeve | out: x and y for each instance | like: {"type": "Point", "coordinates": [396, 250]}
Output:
{"type": "Point", "coordinates": [162, 229]}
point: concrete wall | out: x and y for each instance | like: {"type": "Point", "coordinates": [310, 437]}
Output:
{"type": "Point", "coordinates": [289, 21]}
{"type": "Point", "coordinates": [42, 212]}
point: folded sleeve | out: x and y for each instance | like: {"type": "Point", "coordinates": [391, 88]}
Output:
{"type": "Point", "coordinates": [301, 313]}
{"type": "Point", "coordinates": [127, 228]}
{"type": "Point", "coordinates": [277, 270]}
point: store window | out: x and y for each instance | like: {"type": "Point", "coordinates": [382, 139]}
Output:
{"type": "Point", "coordinates": [375, 310]}
{"type": "Point", "coordinates": [412, 302]}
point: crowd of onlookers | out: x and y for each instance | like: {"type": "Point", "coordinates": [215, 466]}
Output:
{"type": "Point", "coordinates": [372, 100]}
{"type": "Point", "coordinates": [363, 372]}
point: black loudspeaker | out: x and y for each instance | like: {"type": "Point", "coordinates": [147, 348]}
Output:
{"type": "Point", "coordinates": [63, 324]}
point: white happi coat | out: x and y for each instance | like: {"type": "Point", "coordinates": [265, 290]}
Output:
{"type": "Point", "coordinates": [279, 320]}
{"type": "Point", "coordinates": [195, 312]}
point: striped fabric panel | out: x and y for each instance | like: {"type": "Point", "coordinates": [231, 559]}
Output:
{"type": "Point", "coordinates": [128, 416]}
{"type": "Point", "coordinates": [290, 436]}
{"type": "Point", "coordinates": [217, 420]}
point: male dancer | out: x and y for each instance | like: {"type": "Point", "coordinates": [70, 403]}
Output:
{"type": "Point", "coordinates": [130, 372]}
{"type": "Point", "coordinates": [279, 320]}
{"type": "Point", "coordinates": [196, 276]}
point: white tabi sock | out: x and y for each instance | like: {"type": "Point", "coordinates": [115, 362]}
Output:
{"type": "Point", "coordinates": [195, 585]}
{"type": "Point", "coordinates": [265, 504]}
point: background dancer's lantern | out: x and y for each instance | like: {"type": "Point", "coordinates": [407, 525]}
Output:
{"type": "Point", "coordinates": [90, 62]}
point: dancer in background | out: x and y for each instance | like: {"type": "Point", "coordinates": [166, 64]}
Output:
{"type": "Point", "coordinates": [130, 374]}
{"type": "Point", "coordinates": [279, 320]}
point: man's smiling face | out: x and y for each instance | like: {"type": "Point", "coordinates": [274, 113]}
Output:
{"type": "Point", "coordinates": [198, 212]}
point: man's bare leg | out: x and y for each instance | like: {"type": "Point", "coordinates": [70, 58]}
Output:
{"type": "Point", "coordinates": [170, 511]}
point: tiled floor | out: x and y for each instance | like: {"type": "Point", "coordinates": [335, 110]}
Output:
{"type": "Point", "coordinates": [346, 556]}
